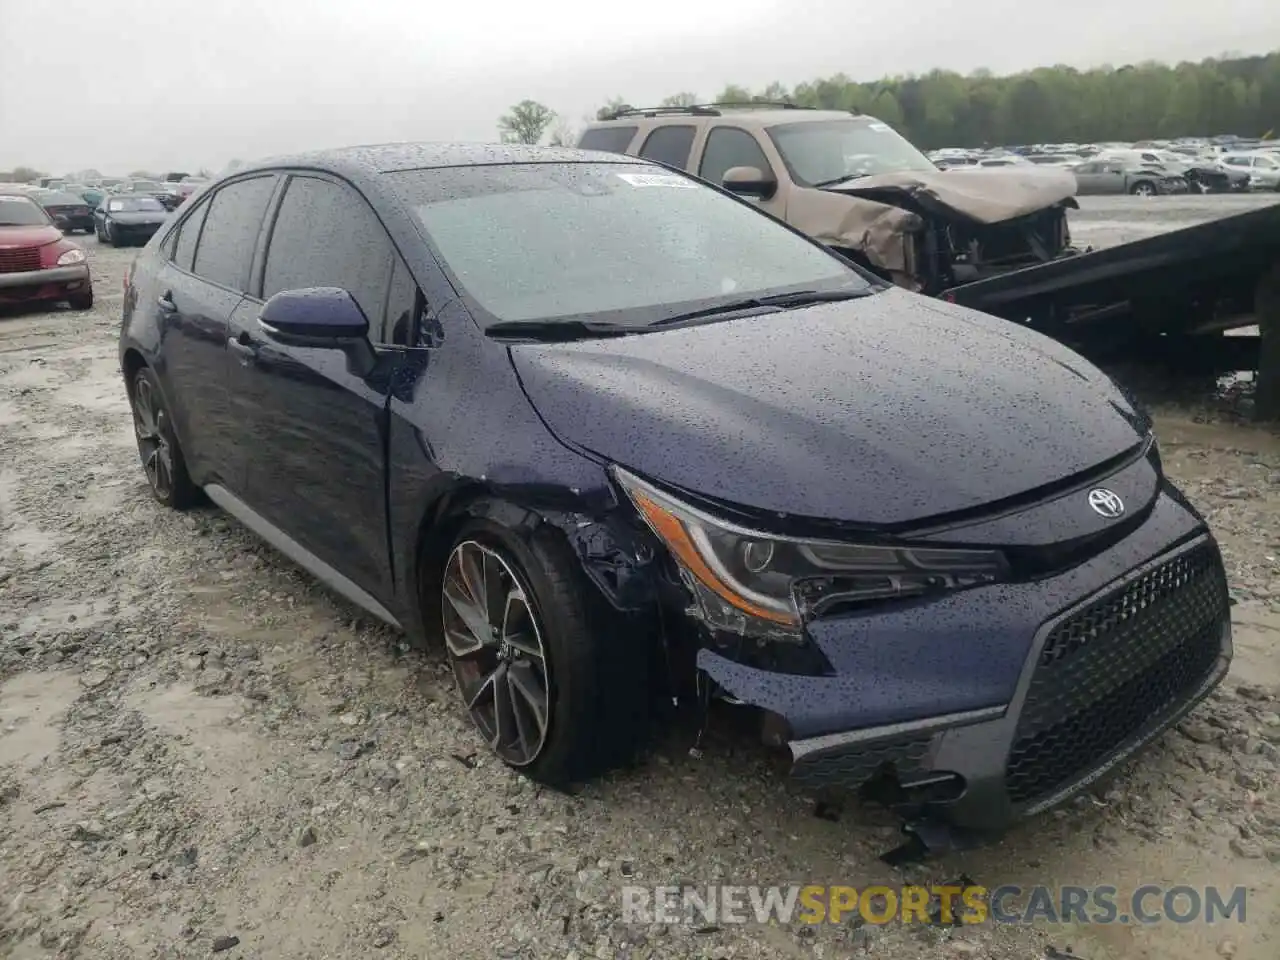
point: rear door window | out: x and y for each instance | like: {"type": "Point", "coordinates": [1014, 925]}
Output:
{"type": "Point", "coordinates": [670, 145]}
{"type": "Point", "coordinates": [231, 231]}
{"type": "Point", "coordinates": [608, 139]}
{"type": "Point", "coordinates": [326, 235]}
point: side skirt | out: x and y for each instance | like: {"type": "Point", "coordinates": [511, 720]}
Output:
{"type": "Point", "coordinates": [298, 553]}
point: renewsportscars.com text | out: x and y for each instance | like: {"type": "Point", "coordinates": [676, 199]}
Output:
{"type": "Point", "coordinates": [1008, 904]}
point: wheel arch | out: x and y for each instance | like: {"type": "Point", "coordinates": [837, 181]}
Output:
{"type": "Point", "coordinates": [131, 361]}
{"type": "Point", "coordinates": [619, 557]}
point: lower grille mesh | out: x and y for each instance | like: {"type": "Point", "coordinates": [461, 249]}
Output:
{"type": "Point", "coordinates": [1110, 669]}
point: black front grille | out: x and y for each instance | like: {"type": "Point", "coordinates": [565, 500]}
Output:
{"type": "Point", "coordinates": [1115, 667]}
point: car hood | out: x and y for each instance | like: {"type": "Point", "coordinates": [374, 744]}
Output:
{"type": "Point", "coordinates": [880, 411]}
{"type": "Point", "coordinates": [982, 194]}
{"type": "Point", "coordinates": [36, 236]}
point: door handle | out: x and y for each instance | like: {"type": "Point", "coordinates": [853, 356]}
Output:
{"type": "Point", "coordinates": [165, 302]}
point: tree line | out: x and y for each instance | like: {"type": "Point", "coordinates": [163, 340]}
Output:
{"type": "Point", "coordinates": [1230, 95]}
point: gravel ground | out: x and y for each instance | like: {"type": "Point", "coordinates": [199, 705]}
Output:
{"type": "Point", "coordinates": [203, 751]}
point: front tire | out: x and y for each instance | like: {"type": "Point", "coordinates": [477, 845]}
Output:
{"type": "Point", "coordinates": [552, 691]}
{"type": "Point", "coordinates": [1143, 188]}
{"type": "Point", "coordinates": [82, 301]}
{"type": "Point", "coordinates": [158, 447]}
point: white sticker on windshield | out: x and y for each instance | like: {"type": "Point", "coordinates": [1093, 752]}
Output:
{"type": "Point", "coordinates": [878, 127]}
{"type": "Point", "coordinates": [655, 180]}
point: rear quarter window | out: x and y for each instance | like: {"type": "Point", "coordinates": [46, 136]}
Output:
{"type": "Point", "coordinates": [184, 251]}
{"type": "Point", "coordinates": [608, 139]}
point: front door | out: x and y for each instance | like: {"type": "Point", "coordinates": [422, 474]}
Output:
{"type": "Point", "coordinates": [317, 465]}
{"type": "Point", "coordinates": [728, 147]}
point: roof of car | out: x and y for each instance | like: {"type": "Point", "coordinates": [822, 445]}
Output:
{"type": "Point", "coordinates": [389, 157]}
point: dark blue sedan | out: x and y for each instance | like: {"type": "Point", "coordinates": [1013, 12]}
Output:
{"type": "Point", "coordinates": [613, 436]}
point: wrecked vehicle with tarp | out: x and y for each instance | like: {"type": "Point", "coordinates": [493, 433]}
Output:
{"type": "Point", "coordinates": [605, 436]}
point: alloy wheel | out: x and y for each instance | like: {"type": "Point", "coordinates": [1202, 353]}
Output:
{"type": "Point", "coordinates": [495, 645]}
{"type": "Point", "coordinates": [150, 422]}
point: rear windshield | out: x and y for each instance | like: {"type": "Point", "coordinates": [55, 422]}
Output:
{"type": "Point", "coordinates": [20, 212]}
{"type": "Point", "coordinates": [622, 242]}
{"type": "Point", "coordinates": [134, 205]}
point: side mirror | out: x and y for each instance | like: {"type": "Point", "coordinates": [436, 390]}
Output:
{"type": "Point", "coordinates": [320, 317]}
{"type": "Point", "coordinates": [750, 182]}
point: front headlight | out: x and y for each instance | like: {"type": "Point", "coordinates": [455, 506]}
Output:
{"type": "Point", "coordinates": [74, 255]}
{"type": "Point", "coordinates": [764, 585]}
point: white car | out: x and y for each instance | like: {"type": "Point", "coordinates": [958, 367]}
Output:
{"type": "Point", "coordinates": [1263, 167]}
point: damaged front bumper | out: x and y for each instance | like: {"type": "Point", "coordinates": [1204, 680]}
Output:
{"type": "Point", "coordinates": [1000, 702]}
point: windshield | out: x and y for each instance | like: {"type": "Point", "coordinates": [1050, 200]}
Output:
{"type": "Point", "coordinates": [61, 199]}
{"type": "Point", "coordinates": [146, 186]}
{"type": "Point", "coordinates": [21, 212]}
{"type": "Point", "coordinates": [828, 151]}
{"type": "Point", "coordinates": [622, 243]}
{"type": "Point", "coordinates": [134, 205]}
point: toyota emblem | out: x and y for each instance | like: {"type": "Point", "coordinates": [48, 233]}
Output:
{"type": "Point", "coordinates": [1106, 503]}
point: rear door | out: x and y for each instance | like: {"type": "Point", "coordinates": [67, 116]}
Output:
{"type": "Point", "coordinates": [319, 431]}
{"type": "Point", "coordinates": [199, 284]}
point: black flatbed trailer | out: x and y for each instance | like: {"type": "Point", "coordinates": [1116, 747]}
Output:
{"type": "Point", "coordinates": [1168, 297]}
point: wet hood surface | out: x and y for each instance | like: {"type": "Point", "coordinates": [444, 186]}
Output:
{"type": "Point", "coordinates": [987, 196]}
{"type": "Point", "coordinates": [879, 411]}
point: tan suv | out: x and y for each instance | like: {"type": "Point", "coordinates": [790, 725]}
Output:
{"type": "Point", "coordinates": [855, 184]}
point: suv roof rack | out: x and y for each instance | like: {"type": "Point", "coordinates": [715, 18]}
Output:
{"type": "Point", "coordinates": [626, 110]}
{"type": "Point", "coordinates": [698, 109]}
{"type": "Point", "coordinates": [759, 104]}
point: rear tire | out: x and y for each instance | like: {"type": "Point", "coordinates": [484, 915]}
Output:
{"type": "Point", "coordinates": [82, 301]}
{"type": "Point", "coordinates": [595, 678]}
{"type": "Point", "coordinates": [162, 460]}
{"type": "Point", "coordinates": [1143, 188]}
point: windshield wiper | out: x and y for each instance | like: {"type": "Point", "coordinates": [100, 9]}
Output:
{"type": "Point", "coordinates": [848, 176]}
{"type": "Point", "coordinates": [552, 330]}
{"type": "Point", "coordinates": [781, 301]}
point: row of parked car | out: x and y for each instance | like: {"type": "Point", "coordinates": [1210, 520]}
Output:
{"type": "Point", "coordinates": [1140, 169]}
{"type": "Point", "coordinates": [123, 212]}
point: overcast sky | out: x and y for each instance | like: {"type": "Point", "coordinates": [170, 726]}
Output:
{"type": "Point", "coordinates": [163, 84]}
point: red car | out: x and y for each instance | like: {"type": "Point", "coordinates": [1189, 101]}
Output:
{"type": "Point", "coordinates": [37, 263]}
